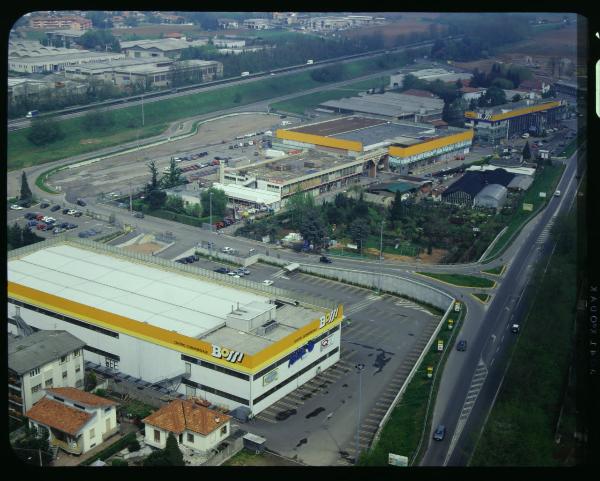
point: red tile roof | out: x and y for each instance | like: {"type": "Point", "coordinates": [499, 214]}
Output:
{"type": "Point", "coordinates": [77, 395]}
{"type": "Point", "coordinates": [419, 93]}
{"type": "Point", "coordinates": [57, 415]}
{"type": "Point", "coordinates": [182, 414]}
{"type": "Point", "coordinates": [466, 90]}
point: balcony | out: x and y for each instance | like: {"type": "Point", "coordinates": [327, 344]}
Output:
{"type": "Point", "coordinates": [68, 447]}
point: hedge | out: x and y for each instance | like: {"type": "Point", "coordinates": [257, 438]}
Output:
{"type": "Point", "coordinates": [112, 449]}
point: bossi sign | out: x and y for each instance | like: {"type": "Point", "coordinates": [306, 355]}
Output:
{"type": "Point", "coordinates": [297, 338]}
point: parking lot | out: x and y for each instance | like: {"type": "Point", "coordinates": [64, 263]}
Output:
{"type": "Point", "coordinates": [383, 332]}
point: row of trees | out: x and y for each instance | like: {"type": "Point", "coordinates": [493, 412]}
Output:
{"type": "Point", "coordinates": [501, 75]}
{"type": "Point", "coordinates": [17, 236]}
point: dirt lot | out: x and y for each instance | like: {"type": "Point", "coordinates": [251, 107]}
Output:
{"type": "Point", "coordinates": [246, 458]}
{"type": "Point", "coordinates": [406, 25]}
{"type": "Point", "coordinates": [115, 173]}
{"type": "Point", "coordinates": [435, 257]}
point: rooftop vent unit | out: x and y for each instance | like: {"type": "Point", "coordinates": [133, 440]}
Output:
{"type": "Point", "coordinates": [266, 328]}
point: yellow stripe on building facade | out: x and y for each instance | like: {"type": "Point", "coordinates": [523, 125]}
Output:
{"type": "Point", "coordinates": [352, 145]}
{"type": "Point", "coordinates": [429, 145]}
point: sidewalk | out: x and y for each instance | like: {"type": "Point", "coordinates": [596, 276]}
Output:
{"type": "Point", "coordinates": [66, 459]}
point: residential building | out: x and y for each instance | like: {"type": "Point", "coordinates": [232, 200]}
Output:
{"type": "Point", "coordinates": [52, 59]}
{"type": "Point", "coordinates": [228, 42]}
{"type": "Point", "coordinates": [41, 360]}
{"type": "Point", "coordinates": [77, 421]}
{"type": "Point", "coordinates": [231, 341]}
{"type": "Point", "coordinates": [227, 23]}
{"type": "Point", "coordinates": [472, 93]}
{"type": "Point", "coordinates": [192, 424]}
{"type": "Point", "coordinates": [257, 23]}
{"type": "Point", "coordinates": [60, 22]}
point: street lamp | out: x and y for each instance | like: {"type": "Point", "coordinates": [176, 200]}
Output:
{"type": "Point", "coordinates": [380, 253]}
{"type": "Point", "coordinates": [359, 368]}
{"type": "Point", "coordinates": [210, 194]}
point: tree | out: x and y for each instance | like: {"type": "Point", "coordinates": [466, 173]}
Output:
{"type": "Point", "coordinates": [459, 85]}
{"type": "Point", "coordinates": [516, 98]}
{"type": "Point", "coordinates": [25, 190]}
{"type": "Point", "coordinates": [100, 40]}
{"type": "Point", "coordinates": [298, 205]}
{"type": "Point", "coordinates": [90, 381]}
{"type": "Point", "coordinates": [454, 112]}
{"type": "Point", "coordinates": [173, 176]}
{"type": "Point", "coordinates": [14, 236]}
{"type": "Point", "coordinates": [157, 199]}
{"type": "Point", "coordinates": [360, 230]}
{"type": "Point", "coordinates": [44, 131]}
{"type": "Point", "coordinates": [219, 202]}
{"type": "Point", "coordinates": [172, 452]}
{"type": "Point", "coordinates": [396, 207]}
{"type": "Point", "coordinates": [313, 228]}
{"type": "Point", "coordinates": [503, 83]}
{"type": "Point", "coordinates": [526, 151]}
{"type": "Point", "coordinates": [156, 458]}
{"type": "Point", "coordinates": [153, 185]}
{"type": "Point", "coordinates": [96, 120]}
{"type": "Point", "coordinates": [493, 96]}
{"type": "Point", "coordinates": [175, 204]}
{"type": "Point", "coordinates": [237, 98]}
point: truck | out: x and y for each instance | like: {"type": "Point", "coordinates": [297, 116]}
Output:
{"type": "Point", "coordinates": [32, 113]}
{"type": "Point", "coordinates": [245, 74]}
{"type": "Point", "coordinates": [310, 62]}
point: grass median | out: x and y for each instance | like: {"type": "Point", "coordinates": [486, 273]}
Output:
{"type": "Point", "coordinates": [496, 271]}
{"type": "Point", "coordinates": [461, 280]}
{"type": "Point", "coordinates": [409, 421]}
{"type": "Point", "coordinates": [482, 296]}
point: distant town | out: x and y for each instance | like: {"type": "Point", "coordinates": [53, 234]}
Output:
{"type": "Point", "coordinates": [296, 238]}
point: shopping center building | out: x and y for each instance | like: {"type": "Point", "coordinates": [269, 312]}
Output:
{"type": "Point", "coordinates": [233, 342]}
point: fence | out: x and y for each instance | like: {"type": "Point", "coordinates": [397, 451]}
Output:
{"type": "Point", "coordinates": [234, 447]}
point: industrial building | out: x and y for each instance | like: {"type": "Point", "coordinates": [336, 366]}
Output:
{"type": "Point", "coordinates": [233, 342]}
{"type": "Point", "coordinates": [257, 23]}
{"type": "Point", "coordinates": [147, 71]}
{"type": "Point", "coordinates": [390, 105]}
{"type": "Point", "coordinates": [430, 75]}
{"type": "Point", "coordinates": [464, 190]}
{"type": "Point", "coordinates": [38, 360]}
{"type": "Point", "coordinates": [56, 22]}
{"type": "Point", "coordinates": [503, 121]}
{"type": "Point", "coordinates": [492, 196]}
{"type": "Point", "coordinates": [164, 47]}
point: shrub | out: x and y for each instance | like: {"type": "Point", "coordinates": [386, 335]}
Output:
{"type": "Point", "coordinates": [112, 449]}
{"type": "Point", "coordinates": [133, 446]}
{"type": "Point", "coordinates": [119, 462]}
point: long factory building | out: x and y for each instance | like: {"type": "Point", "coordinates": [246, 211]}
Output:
{"type": "Point", "coordinates": [232, 342]}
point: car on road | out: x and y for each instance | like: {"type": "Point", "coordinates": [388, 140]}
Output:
{"type": "Point", "coordinates": [440, 432]}
{"type": "Point", "coordinates": [325, 260]}
{"type": "Point", "coordinates": [515, 328]}
{"type": "Point", "coordinates": [81, 202]}
{"type": "Point", "coordinates": [462, 345]}
{"type": "Point", "coordinates": [557, 193]}
{"type": "Point", "coordinates": [16, 207]}
{"type": "Point", "coordinates": [268, 282]}
{"type": "Point", "coordinates": [221, 270]}
{"type": "Point", "coordinates": [55, 208]}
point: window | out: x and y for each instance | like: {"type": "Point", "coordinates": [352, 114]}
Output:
{"type": "Point", "coordinates": [64, 374]}
{"type": "Point", "coordinates": [92, 433]}
{"type": "Point", "coordinates": [34, 372]}
{"type": "Point", "coordinates": [77, 368]}
{"type": "Point", "coordinates": [79, 383]}
{"type": "Point", "coordinates": [64, 359]}
{"type": "Point", "coordinates": [48, 383]}
{"type": "Point", "coordinates": [36, 388]}
{"type": "Point", "coordinates": [190, 437]}
{"type": "Point", "coordinates": [224, 430]}
{"type": "Point", "coordinates": [79, 406]}
{"type": "Point", "coordinates": [112, 363]}
{"type": "Point", "coordinates": [106, 410]}
{"type": "Point", "coordinates": [77, 353]}
{"type": "Point", "coordinates": [156, 436]}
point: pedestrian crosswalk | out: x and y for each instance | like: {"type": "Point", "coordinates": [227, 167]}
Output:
{"type": "Point", "coordinates": [279, 273]}
{"type": "Point", "coordinates": [405, 303]}
{"type": "Point", "coordinates": [545, 232]}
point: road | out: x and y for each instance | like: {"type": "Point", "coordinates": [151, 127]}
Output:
{"type": "Point", "coordinates": [472, 379]}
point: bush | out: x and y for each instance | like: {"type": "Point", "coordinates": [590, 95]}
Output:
{"type": "Point", "coordinates": [119, 462]}
{"type": "Point", "coordinates": [112, 449]}
{"type": "Point", "coordinates": [100, 392]}
{"type": "Point", "coordinates": [45, 131]}
{"type": "Point", "coordinates": [133, 446]}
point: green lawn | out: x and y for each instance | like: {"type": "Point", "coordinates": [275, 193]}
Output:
{"type": "Point", "coordinates": [402, 432]}
{"type": "Point", "coordinates": [496, 271]}
{"type": "Point", "coordinates": [481, 296]}
{"type": "Point", "coordinates": [21, 153]}
{"type": "Point", "coordinates": [243, 458]}
{"type": "Point", "coordinates": [461, 280]}
{"type": "Point", "coordinates": [545, 181]}
{"type": "Point", "coordinates": [298, 105]}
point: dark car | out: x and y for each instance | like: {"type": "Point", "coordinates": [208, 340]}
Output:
{"type": "Point", "coordinates": [30, 215]}
{"type": "Point", "coordinates": [64, 225]}
{"type": "Point", "coordinates": [325, 260]}
{"type": "Point", "coordinates": [440, 432]}
{"type": "Point", "coordinates": [55, 208]}
{"type": "Point", "coordinates": [77, 214]}
{"type": "Point", "coordinates": [65, 211]}
{"type": "Point", "coordinates": [32, 223]}
{"type": "Point", "coordinates": [222, 270]}
{"type": "Point", "coordinates": [462, 345]}
{"type": "Point", "coordinates": [81, 202]}
{"type": "Point", "coordinates": [72, 226]}
{"type": "Point", "coordinates": [43, 205]}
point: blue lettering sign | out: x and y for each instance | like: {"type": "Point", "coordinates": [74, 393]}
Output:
{"type": "Point", "coordinates": [299, 353]}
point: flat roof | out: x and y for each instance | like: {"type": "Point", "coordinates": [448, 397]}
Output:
{"type": "Point", "coordinates": [387, 132]}
{"type": "Point", "coordinates": [334, 127]}
{"type": "Point", "coordinates": [189, 304]}
{"type": "Point", "coordinates": [248, 194]}
{"type": "Point", "coordinates": [389, 104]}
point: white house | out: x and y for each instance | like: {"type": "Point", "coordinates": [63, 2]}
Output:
{"type": "Point", "coordinates": [41, 360]}
{"type": "Point", "coordinates": [76, 420]}
{"type": "Point", "coordinates": [191, 422]}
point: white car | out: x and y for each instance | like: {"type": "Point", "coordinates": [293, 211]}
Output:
{"type": "Point", "coordinates": [268, 282]}
{"type": "Point", "coordinates": [557, 193]}
{"type": "Point", "coordinates": [16, 207]}
{"type": "Point", "coordinates": [71, 211]}
{"type": "Point", "coordinates": [48, 219]}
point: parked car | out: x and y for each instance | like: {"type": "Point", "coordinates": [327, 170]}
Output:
{"type": "Point", "coordinates": [32, 223]}
{"type": "Point", "coordinates": [66, 211]}
{"type": "Point", "coordinates": [462, 345]}
{"type": "Point", "coordinates": [39, 216]}
{"type": "Point", "coordinates": [71, 212]}
{"type": "Point", "coordinates": [41, 226]}
{"type": "Point", "coordinates": [268, 282]}
{"type": "Point", "coordinates": [55, 208]}
{"type": "Point", "coordinates": [139, 215]}
{"type": "Point", "coordinates": [16, 207]}
{"type": "Point", "coordinates": [440, 432]}
{"type": "Point", "coordinates": [246, 271]}
{"type": "Point", "coordinates": [227, 250]}
{"type": "Point", "coordinates": [49, 220]}
{"type": "Point", "coordinates": [72, 226]}
{"type": "Point", "coordinates": [30, 215]}
{"type": "Point", "coordinates": [78, 214]}
{"type": "Point", "coordinates": [58, 230]}
{"type": "Point", "coordinates": [222, 270]}
{"type": "Point", "coordinates": [64, 225]}
{"type": "Point", "coordinates": [43, 205]}
{"type": "Point", "coordinates": [81, 202]}
{"type": "Point", "coordinates": [515, 328]}
{"type": "Point", "coordinates": [325, 260]}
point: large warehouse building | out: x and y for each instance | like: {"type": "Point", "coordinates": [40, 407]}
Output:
{"type": "Point", "coordinates": [503, 121]}
{"type": "Point", "coordinates": [231, 341]}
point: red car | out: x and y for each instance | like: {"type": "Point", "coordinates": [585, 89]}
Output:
{"type": "Point", "coordinates": [39, 217]}
{"type": "Point", "coordinates": [219, 225]}
{"type": "Point", "coordinates": [42, 226]}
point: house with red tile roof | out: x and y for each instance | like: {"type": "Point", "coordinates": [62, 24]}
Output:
{"type": "Point", "coordinates": [77, 421]}
{"type": "Point", "coordinates": [192, 423]}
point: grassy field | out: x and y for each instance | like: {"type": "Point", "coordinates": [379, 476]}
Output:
{"type": "Point", "coordinates": [21, 153]}
{"type": "Point", "coordinates": [402, 433]}
{"type": "Point", "coordinates": [300, 104]}
{"type": "Point", "coordinates": [545, 181]}
{"type": "Point", "coordinates": [481, 296]}
{"type": "Point", "coordinates": [461, 280]}
{"type": "Point", "coordinates": [537, 376]}
{"type": "Point", "coordinates": [496, 271]}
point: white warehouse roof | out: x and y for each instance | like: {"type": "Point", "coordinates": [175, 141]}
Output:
{"type": "Point", "coordinates": [513, 170]}
{"type": "Point", "coordinates": [249, 194]}
{"type": "Point", "coordinates": [173, 301]}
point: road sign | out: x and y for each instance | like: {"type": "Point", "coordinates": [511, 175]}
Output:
{"type": "Point", "coordinates": [450, 324]}
{"type": "Point", "coordinates": [397, 460]}
{"type": "Point", "coordinates": [542, 194]}
{"type": "Point", "coordinates": [440, 345]}
{"type": "Point", "coordinates": [528, 207]}
{"type": "Point", "coordinates": [429, 372]}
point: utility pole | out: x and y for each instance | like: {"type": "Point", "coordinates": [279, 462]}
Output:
{"type": "Point", "coordinates": [130, 200]}
{"type": "Point", "coordinates": [359, 368]}
{"type": "Point", "coordinates": [380, 254]}
{"type": "Point", "coordinates": [210, 194]}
